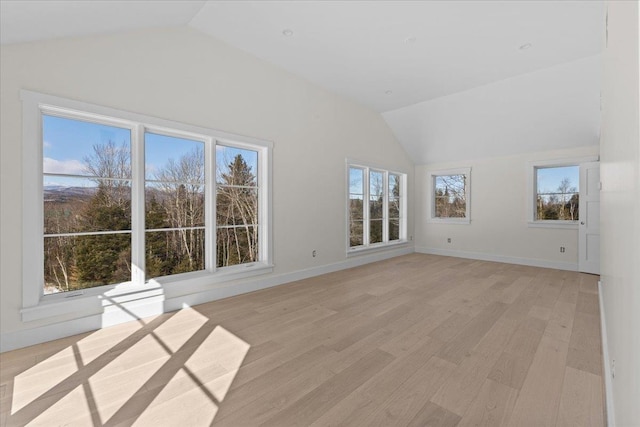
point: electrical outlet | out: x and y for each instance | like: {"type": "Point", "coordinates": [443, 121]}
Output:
{"type": "Point", "coordinates": [448, 239]}
{"type": "Point", "coordinates": [313, 253]}
{"type": "Point", "coordinates": [411, 238]}
{"type": "Point", "coordinates": [613, 368]}
{"type": "Point", "coordinates": [562, 249]}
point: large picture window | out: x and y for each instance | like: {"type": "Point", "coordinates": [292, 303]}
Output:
{"type": "Point", "coordinates": [375, 207]}
{"type": "Point", "coordinates": [123, 198]}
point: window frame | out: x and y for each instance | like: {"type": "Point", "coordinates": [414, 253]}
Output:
{"type": "Point", "coordinates": [34, 106]}
{"type": "Point", "coordinates": [433, 175]}
{"type": "Point", "coordinates": [367, 168]}
{"type": "Point", "coordinates": [532, 191]}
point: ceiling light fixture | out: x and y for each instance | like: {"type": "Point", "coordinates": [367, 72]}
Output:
{"type": "Point", "coordinates": [410, 40]}
{"type": "Point", "coordinates": [525, 46]}
{"type": "Point", "coordinates": [388, 92]}
{"type": "Point", "coordinates": [287, 32]}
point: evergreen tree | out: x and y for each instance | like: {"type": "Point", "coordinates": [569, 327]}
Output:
{"type": "Point", "coordinates": [101, 259]}
{"type": "Point", "coordinates": [237, 213]}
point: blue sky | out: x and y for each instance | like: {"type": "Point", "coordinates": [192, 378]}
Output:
{"type": "Point", "coordinates": [67, 142]}
{"type": "Point", "coordinates": [355, 182]}
{"type": "Point", "coordinates": [550, 178]}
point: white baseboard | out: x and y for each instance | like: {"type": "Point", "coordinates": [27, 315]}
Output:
{"type": "Point", "coordinates": [139, 309]}
{"type": "Point", "coordinates": [558, 265]}
{"type": "Point", "coordinates": [608, 386]}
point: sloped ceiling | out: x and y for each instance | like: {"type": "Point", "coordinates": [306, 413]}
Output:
{"type": "Point", "coordinates": [386, 55]}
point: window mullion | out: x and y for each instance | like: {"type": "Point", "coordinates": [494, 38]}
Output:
{"type": "Point", "coordinates": [402, 206]}
{"type": "Point", "coordinates": [137, 205]}
{"type": "Point", "coordinates": [210, 204]}
{"type": "Point", "coordinates": [264, 213]}
{"type": "Point", "coordinates": [385, 207]}
{"type": "Point", "coordinates": [365, 208]}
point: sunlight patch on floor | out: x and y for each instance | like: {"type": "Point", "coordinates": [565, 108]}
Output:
{"type": "Point", "coordinates": [180, 402]}
{"type": "Point", "coordinates": [119, 381]}
{"type": "Point", "coordinates": [72, 409]}
{"type": "Point", "coordinates": [177, 331]}
{"type": "Point", "coordinates": [176, 373]}
{"type": "Point", "coordinates": [35, 381]}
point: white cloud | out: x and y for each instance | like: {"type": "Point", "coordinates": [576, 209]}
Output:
{"type": "Point", "coordinates": [46, 144]}
{"type": "Point", "coordinates": [67, 167]}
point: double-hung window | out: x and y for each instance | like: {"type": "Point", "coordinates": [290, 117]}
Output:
{"type": "Point", "coordinates": [557, 193]}
{"type": "Point", "coordinates": [450, 196]}
{"type": "Point", "coordinates": [376, 207]}
{"type": "Point", "coordinates": [553, 196]}
{"type": "Point", "coordinates": [115, 198]}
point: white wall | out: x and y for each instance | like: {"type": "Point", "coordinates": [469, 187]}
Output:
{"type": "Point", "coordinates": [620, 208]}
{"type": "Point", "coordinates": [182, 75]}
{"type": "Point", "coordinates": [554, 108]}
{"type": "Point", "coordinates": [496, 130]}
{"type": "Point", "coordinates": [499, 223]}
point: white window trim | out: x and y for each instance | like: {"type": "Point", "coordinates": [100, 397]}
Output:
{"type": "Point", "coordinates": [385, 244]}
{"type": "Point", "coordinates": [532, 191]}
{"type": "Point", "coordinates": [431, 208]}
{"type": "Point", "coordinates": [36, 305]}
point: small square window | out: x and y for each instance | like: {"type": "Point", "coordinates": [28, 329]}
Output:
{"type": "Point", "coordinates": [557, 193]}
{"type": "Point", "coordinates": [553, 192]}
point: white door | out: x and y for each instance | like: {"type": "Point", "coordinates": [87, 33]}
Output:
{"type": "Point", "coordinates": [589, 217]}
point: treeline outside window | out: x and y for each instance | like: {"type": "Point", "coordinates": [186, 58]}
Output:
{"type": "Point", "coordinates": [557, 193]}
{"type": "Point", "coordinates": [380, 219]}
{"type": "Point", "coordinates": [88, 175]}
{"type": "Point", "coordinates": [450, 196]}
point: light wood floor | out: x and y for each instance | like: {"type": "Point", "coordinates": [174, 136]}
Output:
{"type": "Point", "coordinates": [416, 340]}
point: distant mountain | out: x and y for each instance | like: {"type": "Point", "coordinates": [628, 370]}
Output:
{"type": "Point", "coordinates": [59, 192]}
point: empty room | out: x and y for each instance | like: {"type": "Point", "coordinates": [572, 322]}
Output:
{"type": "Point", "coordinates": [319, 213]}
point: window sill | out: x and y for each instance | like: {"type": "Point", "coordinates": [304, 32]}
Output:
{"type": "Point", "coordinates": [464, 221]}
{"type": "Point", "coordinates": [567, 225]}
{"type": "Point", "coordinates": [360, 250]}
{"type": "Point", "coordinates": [98, 300]}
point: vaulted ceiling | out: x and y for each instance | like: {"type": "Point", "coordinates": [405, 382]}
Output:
{"type": "Point", "coordinates": [386, 55]}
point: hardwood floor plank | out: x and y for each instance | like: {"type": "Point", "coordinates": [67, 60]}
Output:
{"type": "Point", "coordinates": [408, 399]}
{"type": "Point", "coordinates": [379, 387]}
{"type": "Point", "coordinates": [497, 337]}
{"type": "Point", "coordinates": [561, 322]}
{"type": "Point", "coordinates": [588, 303]}
{"type": "Point", "coordinates": [432, 415]}
{"type": "Point", "coordinates": [312, 405]}
{"type": "Point", "coordinates": [457, 349]}
{"type": "Point", "coordinates": [589, 283]}
{"type": "Point", "coordinates": [285, 372]}
{"type": "Point", "coordinates": [570, 289]}
{"type": "Point", "coordinates": [538, 402]}
{"type": "Point", "coordinates": [405, 340]}
{"type": "Point", "coordinates": [511, 370]}
{"type": "Point", "coordinates": [462, 387]}
{"type": "Point", "coordinates": [450, 327]}
{"type": "Point", "coordinates": [492, 407]}
{"type": "Point", "coordinates": [585, 344]}
{"type": "Point", "coordinates": [526, 338]}
{"type": "Point", "coordinates": [269, 403]}
{"type": "Point", "coordinates": [512, 292]}
{"type": "Point", "coordinates": [582, 400]}
{"type": "Point", "coordinates": [413, 340]}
